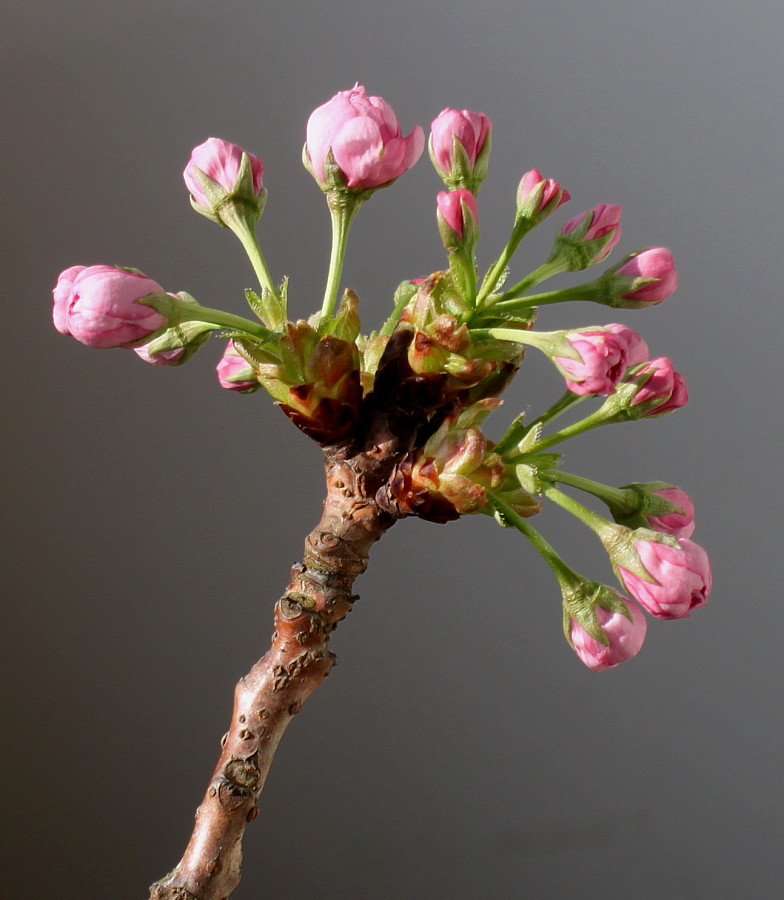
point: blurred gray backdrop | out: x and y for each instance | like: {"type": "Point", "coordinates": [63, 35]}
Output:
{"type": "Point", "coordinates": [459, 750]}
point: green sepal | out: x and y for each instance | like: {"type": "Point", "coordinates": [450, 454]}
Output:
{"type": "Point", "coordinates": [345, 324]}
{"type": "Point", "coordinates": [270, 309]}
{"type": "Point", "coordinates": [619, 542]}
{"type": "Point", "coordinates": [512, 436]}
{"type": "Point", "coordinates": [187, 336]}
{"type": "Point", "coordinates": [532, 471]}
{"type": "Point", "coordinates": [251, 351]}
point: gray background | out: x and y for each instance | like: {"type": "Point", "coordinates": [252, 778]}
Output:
{"type": "Point", "coordinates": [150, 518]}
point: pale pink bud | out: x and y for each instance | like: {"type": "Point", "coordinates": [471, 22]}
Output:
{"type": "Point", "coordinates": [636, 349]}
{"type": "Point", "coordinates": [682, 578]}
{"type": "Point", "coordinates": [365, 138]}
{"type": "Point", "coordinates": [681, 525]}
{"type": "Point", "coordinates": [97, 305]}
{"type": "Point", "coordinates": [235, 373]}
{"type": "Point", "coordinates": [162, 358]}
{"type": "Point", "coordinates": [62, 293]}
{"type": "Point", "coordinates": [470, 128]}
{"type": "Point", "coordinates": [602, 220]}
{"type": "Point", "coordinates": [450, 209]}
{"type": "Point", "coordinates": [654, 263]}
{"type": "Point", "coordinates": [220, 160]}
{"type": "Point", "coordinates": [625, 637]}
{"type": "Point", "coordinates": [552, 194]}
{"type": "Point", "coordinates": [665, 389]}
{"type": "Point", "coordinates": [601, 366]}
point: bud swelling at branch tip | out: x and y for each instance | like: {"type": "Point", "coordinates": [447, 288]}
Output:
{"type": "Point", "coordinates": [355, 141]}
{"type": "Point", "coordinates": [225, 182]}
{"type": "Point", "coordinates": [624, 636]}
{"type": "Point", "coordinates": [644, 278]}
{"type": "Point", "coordinates": [590, 237]}
{"type": "Point", "coordinates": [459, 147]}
{"type": "Point", "coordinates": [458, 218]}
{"type": "Point", "coordinates": [538, 196]}
{"type": "Point", "coordinates": [667, 579]}
{"type": "Point", "coordinates": [98, 305]}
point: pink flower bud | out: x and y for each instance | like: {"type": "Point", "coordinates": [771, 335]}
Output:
{"type": "Point", "coordinates": [234, 372]}
{"type": "Point", "coordinates": [654, 263]}
{"type": "Point", "coordinates": [451, 209]}
{"type": "Point", "coordinates": [665, 389]}
{"type": "Point", "coordinates": [471, 130]}
{"type": "Point", "coordinates": [601, 366]}
{"type": "Point", "coordinates": [538, 196]}
{"type": "Point", "coordinates": [682, 578]}
{"type": "Point", "coordinates": [162, 358]}
{"type": "Point", "coordinates": [220, 160]}
{"type": "Point", "coordinates": [625, 637]}
{"type": "Point", "coordinates": [681, 525]}
{"type": "Point", "coordinates": [365, 138]}
{"type": "Point", "coordinates": [602, 220]}
{"type": "Point", "coordinates": [97, 305]}
{"type": "Point", "coordinates": [636, 349]}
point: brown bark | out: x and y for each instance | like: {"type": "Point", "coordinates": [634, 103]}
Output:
{"type": "Point", "coordinates": [319, 595]}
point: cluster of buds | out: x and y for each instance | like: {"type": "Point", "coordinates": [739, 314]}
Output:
{"type": "Point", "coordinates": [433, 372]}
{"type": "Point", "coordinates": [450, 475]}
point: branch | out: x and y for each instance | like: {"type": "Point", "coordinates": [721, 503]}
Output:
{"type": "Point", "coordinates": [265, 700]}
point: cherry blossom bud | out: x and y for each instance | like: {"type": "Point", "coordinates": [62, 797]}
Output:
{"type": "Point", "coordinates": [98, 306]}
{"type": "Point", "coordinates": [636, 349]}
{"type": "Point", "coordinates": [602, 362]}
{"type": "Point", "coordinates": [458, 218]}
{"type": "Point", "coordinates": [680, 577]}
{"type": "Point", "coordinates": [225, 180]}
{"type": "Point", "coordinates": [355, 141]}
{"type": "Point", "coordinates": [537, 196]}
{"type": "Point", "coordinates": [597, 231]}
{"type": "Point", "coordinates": [663, 391]}
{"type": "Point", "coordinates": [163, 358]}
{"type": "Point", "coordinates": [235, 373]}
{"type": "Point", "coordinates": [624, 637]}
{"type": "Point", "coordinates": [679, 524]}
{"type": "Point", "coordinates": [459, 147]}
{"type": "Point", "coordinates": [656, 263]}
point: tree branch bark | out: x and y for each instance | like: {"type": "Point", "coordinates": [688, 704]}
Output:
{"type": "Point", "coordinates": [318, 597]}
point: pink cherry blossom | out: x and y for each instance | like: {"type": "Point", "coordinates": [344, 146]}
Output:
{"type": "Point", "coordinates": [470, 128]}
{"type": "Point", "coordinates": [682, 578]}
{"type": "Point", "coordinates": [665, 389]}
{"type": "Point", "coordinates": [657, 262]}
{"type": "Point", "coordinates": [636, 349]}
{"type": "Point", "coordinates": [681, 525]}
{"type": "Point", "coordinates": [601, 366]}
{"type": "Point", "coordinates": [220, 160]}
{"type": "Point", "coordinates": [162, 358]}
{"type": "Point", "coordinates": [605, 219]}
{"type": "Point", "coordinates": [450, 208]}
{"type": "Point", "coordinates": [365, 138]}
{"type": "Point", "coordinates": [625, 637]}
{"type": "Point", "coordinates": [552, 196]}
{"type": "Point", "coordinates": [97, 305]}
{"type": "Point", "coordinates": [234, 372]}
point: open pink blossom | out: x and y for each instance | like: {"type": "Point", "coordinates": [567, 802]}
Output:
{"type": "Point", "coordinates": [657, 262]}
{"type": "Point", "coordinates": [220, 160]}
{"type": "Point", "coordinates": [235, 373]}
{"type": "Point", "coordinates": [682, 578]}
{"type": "Point", "coordinates": [470, 128]}
{"type": "Point", "coordinates": [625, 637]}
{"type": "Point", "coordinates": [451, 208]}
{"type": "Point", "coordinates": [681, 525]}
{"type": "Point", "coordinates": [98, 306]}
{"type": "Point", "coordinates": [665, 389]}
{"type": "Point", "coordinates": [604, 219]}
{"type": "Point", "coordinates": [365, 138]}
{"type": "Point", "coordinates": [601, 366]}
{"type": "Point", "coordinates": [636, 349]}
{"type": "Point", "coordinates": [536, 201]}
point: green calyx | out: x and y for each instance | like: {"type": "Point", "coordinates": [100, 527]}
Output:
{"type": "Point", "coordinates": [579, 604]}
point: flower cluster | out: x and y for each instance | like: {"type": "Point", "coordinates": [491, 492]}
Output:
{"type": "Point", "coordinates": [420, 386]}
